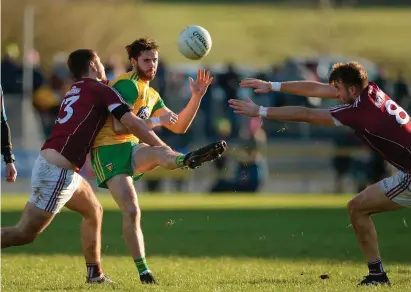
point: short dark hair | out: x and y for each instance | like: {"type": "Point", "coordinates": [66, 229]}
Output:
{"type": "Point", "coordinates": [140, 45]}
{"type": "Point", "coordinates": [351, 73]}
{"type": "Point", "coordinates": [79, 60]}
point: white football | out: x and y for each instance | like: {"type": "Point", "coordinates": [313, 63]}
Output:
{"type": "Point", "coordinates": [194, 42]}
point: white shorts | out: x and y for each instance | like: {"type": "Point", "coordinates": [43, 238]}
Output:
{"type": "Point", "coordinates": [52, 186]}
{"type": "Point", "coordinates": [397, 188]}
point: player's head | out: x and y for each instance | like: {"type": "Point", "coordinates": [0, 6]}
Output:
{"type": "Point", "coordinates": [350, 79]}
{"type": "Point", "coordinates": [143, 56]}
{"type": "Point", "coordinates": [85, 63]}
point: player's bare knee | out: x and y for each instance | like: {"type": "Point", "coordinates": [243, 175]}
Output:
{"type": "Point", "coordinates": [132, 212]}
{"type": "Point", "coordinates": [356, 206]}
{"type": "Point", "coordinates": [353, 207]}
{"type": "Point", "coordinates": [26, 236]}
{"type": "Point", "coordinates": [161, 151]}
{"type": "Point", "coordinates": [95, 212]}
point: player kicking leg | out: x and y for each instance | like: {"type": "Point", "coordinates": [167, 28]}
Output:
{"type": "Point", "coordinates": [376, 119]}
{"type": "Point", "coordinates": [116, 171]}
{"type": "Point", "coordinates": [54, 187]}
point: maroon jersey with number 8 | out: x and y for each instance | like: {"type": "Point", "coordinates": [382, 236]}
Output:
{"type": "Point", "coordinates": [83, 113]}
{"type": "Point", "coordinates": [381, 123]}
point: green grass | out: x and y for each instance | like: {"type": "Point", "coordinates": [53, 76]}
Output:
{"type": "Point", "coordinates": [214, 243]}
{"type": "Point", "coordinates": [255, 35]}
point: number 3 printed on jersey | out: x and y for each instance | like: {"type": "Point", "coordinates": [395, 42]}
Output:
{"type": "Point", "coordinates": [395, 110]}
{"type": "Point", "coordinates": [67, 107]}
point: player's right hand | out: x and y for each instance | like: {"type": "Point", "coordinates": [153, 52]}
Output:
{"type": "Point", "coordinates": [260, 86]}
{"type": "Point", "coordinates": [11, 172]}
{"type": "Point", "coordinates": [169, 119]}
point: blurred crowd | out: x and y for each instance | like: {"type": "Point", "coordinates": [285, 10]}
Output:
{"type": "Point", "coordinates": [215, 120]}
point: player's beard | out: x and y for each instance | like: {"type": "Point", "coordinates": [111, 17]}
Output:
{"type": "Point", "coordinates": [145, 76]}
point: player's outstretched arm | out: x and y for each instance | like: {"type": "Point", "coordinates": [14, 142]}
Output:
{"type": "Point", "coordinates": [186, 116]}
{"type": "Point", "coordinates": [138, 127]}
{"type": "Point", "coordinates": [303, 88]}
{"type": "Point", "coordinates": [287, 113]}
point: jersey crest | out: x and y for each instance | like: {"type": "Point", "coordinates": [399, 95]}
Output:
{"type": "Point", "coordinates": [143, 113]}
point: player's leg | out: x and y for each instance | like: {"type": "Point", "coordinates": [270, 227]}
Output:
{"type": "Point", "coordinates": [86, 204]}
{"type": "Point", "coordinates": [32, 222]}
{"type": "Point", "coordinates": [52, 187]}
{"type": "Point", "coordinates": [122, 189]}
{"type": "Point", "coordinates": [112, 166]}
{"type": "Point", "coordinates": [146, 158]}
{"type": "Point", "coordinates": [380, 197]}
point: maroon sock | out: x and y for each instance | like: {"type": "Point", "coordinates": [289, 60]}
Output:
{"type": "Point", "coordinates": [94, 270]}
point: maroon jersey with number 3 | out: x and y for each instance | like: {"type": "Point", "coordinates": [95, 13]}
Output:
{"type": "Point", "coordinates": [381, 123]}
{"type": "Point", "coordinates": [83, 113]}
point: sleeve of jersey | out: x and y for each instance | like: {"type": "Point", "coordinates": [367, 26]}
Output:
{"type": "Point", "coordinates": [159, 105]}
{"type": "Point", "coordinates": [344, 115]}
{"type": "Point", "coordinates": [127, 90]}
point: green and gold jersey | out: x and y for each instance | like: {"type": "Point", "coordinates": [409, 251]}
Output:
{"type": "Point", "coordinates": [144, 100]}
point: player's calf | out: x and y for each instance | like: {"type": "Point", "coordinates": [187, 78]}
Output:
{"type": "Point", "coordinates": [32, 222]}
{"type": "Point", "coordinates": [123, 192]}
{"type": "Point", "coordinates": [86, 204]}
{"type": "Point", "coordinates": [370, 201]}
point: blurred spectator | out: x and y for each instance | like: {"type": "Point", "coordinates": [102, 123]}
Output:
{"type": "Point", "coordinates": [229, 83]}
{"type": "Point", "coordinates": [60, 79]}
{"type": "Point", "coordinates": [251, 167]}
{"type": "Point", "coordinates": [115, 67]}
{"type": "Point", "coordinates": [223, 131]}
{"type": "Point", "coordinates": [342, 160]}
{"type": "Point", "coordinates": [44, 99]}
{"type": "Point", "coordinates": [401, 92]}
{"type": "Point", "coordinates": [160, 82]}
{"type": "Point", "coordinates": [382, 80]}
{"type": "Point", "coordinates": [11, 71]}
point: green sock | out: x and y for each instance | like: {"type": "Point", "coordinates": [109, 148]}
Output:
{"type": "Point", "coordinates": [141, 265]}
{"type": "Point", "coordinates": [180, 161]}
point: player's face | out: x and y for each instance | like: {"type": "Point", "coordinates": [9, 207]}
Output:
{"type": "Point", "coordinates": [98, 67]}
{"type": "Point", "coordinates": [146, 65]}
{"type": "Point", "coordinates": [345, 93]}
{"type": "Point", "coordinates": [101, 72]}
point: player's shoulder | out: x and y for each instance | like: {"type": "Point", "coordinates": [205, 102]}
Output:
{"type": "Point", "coordinates": [373, 95]}
{"type": "Point", "coordinates": [125, 78]}
{"type": "Point", "coordinates": [153, 92]}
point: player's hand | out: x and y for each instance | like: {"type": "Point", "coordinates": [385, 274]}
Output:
{"type": "Point", "coordinates": [169, 118]}
{"type": "Point", "coordinates": [244, 107]}
{"type": "Point", "coordinates": [260, 86]}
{"type": "Point", "coordinates": [200, 85]}
{"type": "Point", "coordinates": [11, 172]}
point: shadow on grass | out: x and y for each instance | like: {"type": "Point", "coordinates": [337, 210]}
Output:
{"type": "Point", "coordinates": [278, 233]}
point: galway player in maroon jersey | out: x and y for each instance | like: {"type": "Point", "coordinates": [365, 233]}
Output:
{"type": "Point", "coordinates": [55, 179]}
{"type": "Point", "coordinates": [376, 119]}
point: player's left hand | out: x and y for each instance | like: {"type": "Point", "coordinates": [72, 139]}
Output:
{"type": "Point", "coordinates": [200, 85]}
{"type": "Point", "coordinates": [244, 107]}
{"type": "Point", "coordinates": [11, 172]}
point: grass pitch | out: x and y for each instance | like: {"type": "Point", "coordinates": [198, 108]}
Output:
{"type": "Point", "coordinates": [215, 243]}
